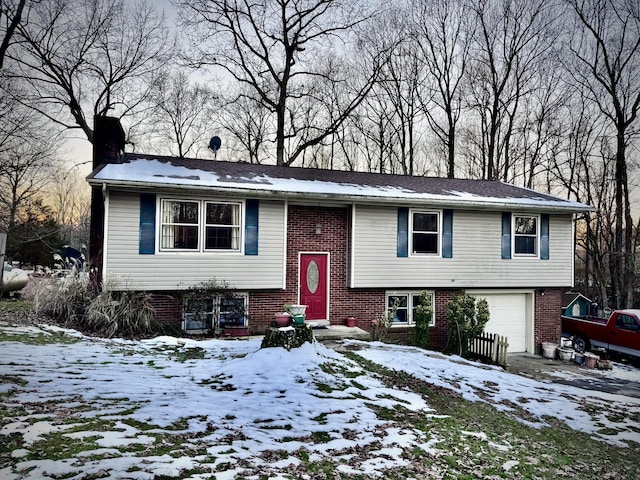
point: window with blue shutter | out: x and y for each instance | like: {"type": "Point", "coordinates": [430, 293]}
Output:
{"type": "Point", "coordinates": [403, 232]}
{"type": "Point", "coordinates": [506, 235]}
{"type": "Point", "coordinates": [544, 236]}
{"type": "Point", "coordinates": [251, 228]}
{"type": "Point", "coordinates": [147, 244]}
{"type": "Point", "coordinates": [447, 234]}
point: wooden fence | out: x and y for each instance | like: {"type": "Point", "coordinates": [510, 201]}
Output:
{"type": "Point", "coordinates": [491, 346]}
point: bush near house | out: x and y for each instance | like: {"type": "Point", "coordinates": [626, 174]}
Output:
{"type": "Point", "coordinates": [467, 318]}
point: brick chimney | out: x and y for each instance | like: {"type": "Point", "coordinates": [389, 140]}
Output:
{"type": "Point", "coordinates": [108, 146]}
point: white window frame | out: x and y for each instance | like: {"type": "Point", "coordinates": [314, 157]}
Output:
{"type": "Point", "coordinates": [202, 226]}
{"type": "Point", "coordinates": [438, 233]}
{"type": "Point", "coordinates": [215, 312]}
{"type": "Point", "coordinates": [411, 295]}
{"type": "Point", "coordinates": [515, 235]}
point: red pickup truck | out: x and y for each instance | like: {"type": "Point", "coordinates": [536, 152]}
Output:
{"type": "Point", "coordinates": [619, 333]}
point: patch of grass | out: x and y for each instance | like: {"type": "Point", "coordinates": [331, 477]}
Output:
{"type": "Point", "coordinates": [57, 446]}
{"type": "Point", "coordinates": [333, 368]}
{"type": "Point", "coordinates": [321, 437]}
{"type": "Point", "coordinates": [15, 306]}
{"type": "Point", "coordinates": [554, 451]}
{"type": "Point", "coordinates": [37, 339]}
{"type": "Point", "coordinates": [184, 354]}
{"type": "Point", "coordinates": [13, 379]}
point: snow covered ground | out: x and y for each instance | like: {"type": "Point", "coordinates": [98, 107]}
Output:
{"type": "Point", "coordinates": [239, 403]}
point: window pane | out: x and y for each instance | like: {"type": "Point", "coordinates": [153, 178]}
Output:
{"type": "Point", "coordinates": [232, 312]}
{"type": "Point", "coordinates": [220, 214]}
{"type": "Point", "coordinates": [425, 243]}
{"type": "Point", "coordinates": [400, 304]}
{"type": "Point", "coordinates": [401, 316]}
{"type": "Point", "coordinates": [221, 238]}
{"type": "Point", "coordinates": [425, 222]}
{"type": "Point", "coordinates": [176, 236]}
{"type": "Point", "coordinates": [526, 225]}
{"type": "Point", "coordinates": [397, 301]}
{"type": "Point", "coordinates": [525, 245]}
{"type": "Point", "coordinates": [180, 212]}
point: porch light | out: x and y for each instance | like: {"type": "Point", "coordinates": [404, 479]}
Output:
{"type": "Point", "coordinates": [318, 229]}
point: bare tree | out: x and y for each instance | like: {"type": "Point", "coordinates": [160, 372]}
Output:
{"type": "Point", "coordinates": [443, 31]}
{"type": "Point", "coordinates": [69, 200]}
{"type": "Point", "coordinates": [26, 162]}
{"type": "Point", "coordinates": [182, 113]}
{"type": "Point", "coordinates": [606, 48]}
{"type": "Point", "coordinates": [10, 17]}
{"type": "Point", "coordinates": [511, 41]}
{"type": "Point", "coordinates": [248, 124]}
{"type": "Point", "coordinates": [84, 58]}
{"type": "Point", "coordinates": [285, 54]}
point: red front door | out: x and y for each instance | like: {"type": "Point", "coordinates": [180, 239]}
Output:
{"type": "Point", "coordinates": [313, 284]}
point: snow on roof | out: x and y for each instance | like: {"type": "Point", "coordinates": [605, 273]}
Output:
{"type": "Point", "coordinates": [139, 170]}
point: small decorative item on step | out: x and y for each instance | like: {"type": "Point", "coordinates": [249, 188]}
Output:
{"type": "Point", "coordinates": [283, 319]}
{"type": "Point", "coordinates": [351, 321]}
{"type": "Point", "coordinates": [590, 360]}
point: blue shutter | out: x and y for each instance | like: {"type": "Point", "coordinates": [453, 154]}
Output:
{"type": "Point", "coordinates": [506, 235]}
{"type": "Point", "coordinates": [403, 232]}
{"type": "Point", "coordinates": [251, 228]}
{"type": "Point", "coordinates": [447, 234]}
{"type": "Point", "coordinates": [147, 224]}
{"type": "Point", "coordinates": [544, 236]}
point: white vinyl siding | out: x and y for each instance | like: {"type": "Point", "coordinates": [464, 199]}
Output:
{"type": "Point", "coordinates": [477, 261]}
{"type": "Point", "coordinates": [126, 269]}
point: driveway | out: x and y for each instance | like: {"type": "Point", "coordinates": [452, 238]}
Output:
{"type": "Point", "coordinates": [623, 379]}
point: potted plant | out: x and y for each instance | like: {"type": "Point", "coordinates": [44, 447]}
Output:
{"type": "Point", "coordinates": [351, 321]}
{"type": "Point", "coordinates": [283, 318]}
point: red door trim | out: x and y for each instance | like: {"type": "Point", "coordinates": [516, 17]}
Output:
{"type": "Point", "coordinates": [327, 279]}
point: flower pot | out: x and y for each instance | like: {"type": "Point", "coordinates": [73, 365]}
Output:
{"type": "Point", "coordinates": [565, 353]}
{"type": "Point", "coordinates": [297, 309]}
{"type": "Point", "coordinates": [283, 319]}
{"type": "Point", "coordinates": [351, 322]}
{"type": "Point", "coordinates": [549, 350]}
{"type": "Point", "coordinates": [578, 358]}
{"type": "Point", "coordinates": [298, 318]}
{"type": "Point", "coordinates": [590, 360]}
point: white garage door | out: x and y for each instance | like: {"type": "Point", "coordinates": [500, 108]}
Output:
{"type": "Point", "coordinates": [508, 317]}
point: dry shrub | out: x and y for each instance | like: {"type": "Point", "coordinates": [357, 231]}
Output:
{"type": "Point", "coordinates": [75, 303]}
{"type": "Point", "coordinates": [124, 314]}
{"type": "Point", "coordinates": [66, 299]}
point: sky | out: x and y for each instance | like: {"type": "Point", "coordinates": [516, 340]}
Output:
{"type": "Point", "coordinates": [244, 402]}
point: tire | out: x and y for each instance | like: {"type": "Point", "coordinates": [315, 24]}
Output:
{"type": "Point", "coordinates": [581, 344]}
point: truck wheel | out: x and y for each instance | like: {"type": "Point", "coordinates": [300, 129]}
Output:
{"type": "Point", "coordinates": [581, 343]}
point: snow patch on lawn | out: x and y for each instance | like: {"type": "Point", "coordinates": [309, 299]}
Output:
{"type": "Point", "coordinates": [241, 407]}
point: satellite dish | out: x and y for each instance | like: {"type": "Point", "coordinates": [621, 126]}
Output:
{"type": "Point", "coordinates": [214, 145]}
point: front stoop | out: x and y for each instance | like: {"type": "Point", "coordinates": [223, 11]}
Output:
{"type": "Point", "coordinates": [340, 332]}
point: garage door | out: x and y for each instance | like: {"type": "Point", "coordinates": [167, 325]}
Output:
{"type": "Point", "coordinates": [508, 317]}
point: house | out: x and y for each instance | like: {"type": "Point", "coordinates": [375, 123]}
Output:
{"type": "Point", "coordinates": [342, 243]}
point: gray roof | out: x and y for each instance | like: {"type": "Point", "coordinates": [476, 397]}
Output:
{"type": "Point", "coordinates": [156, 172]}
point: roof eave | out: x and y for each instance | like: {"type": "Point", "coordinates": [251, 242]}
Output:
{"type": "Point", "coordinates": [346, 199]}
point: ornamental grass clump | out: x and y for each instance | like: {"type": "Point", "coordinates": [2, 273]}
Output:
{"type": "Point", "coordinates": [467, 318]}
{"type": "Point", "coordinates": [74, 302]}
{"type": "Point", "coordinates": [65, 300]}
{"type": "Point", "coordinates": [124, 314]}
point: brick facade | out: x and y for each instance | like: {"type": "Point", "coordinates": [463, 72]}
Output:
{"type": "Point", "coordinates": [334, 224]}
{"type": "Point", "coordinates": [547, 327]}
{"type": "Point", "coordinates": [364, 304]}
